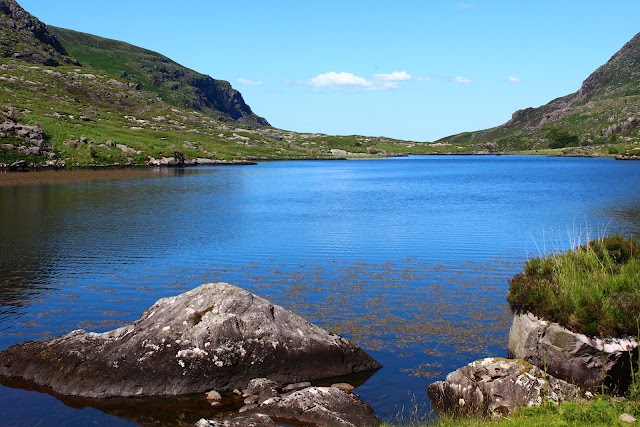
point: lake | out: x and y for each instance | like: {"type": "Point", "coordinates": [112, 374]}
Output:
{"type": "Point", "coordinates": [407, 257]}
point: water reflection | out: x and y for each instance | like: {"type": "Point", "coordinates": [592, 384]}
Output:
{"type": "Point", "coordinates": [407, 257]}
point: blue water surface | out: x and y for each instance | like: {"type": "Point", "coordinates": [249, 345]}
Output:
{"type": "Point", "coordinates": [408, 257]}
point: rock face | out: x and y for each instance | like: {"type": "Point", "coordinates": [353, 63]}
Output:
{"type": "Point", "coordinates": [24, 36]}
{"type": "Point", "coordinates": [496, 386]}
{"type": "Point", "coordinates": [216, 336]}
{"type": "Point", "coordinates": [584, 361]}
{"type": "Point", "coordinates": [313, 406]}
{"type": "Point", "coordinates": [25, 140]}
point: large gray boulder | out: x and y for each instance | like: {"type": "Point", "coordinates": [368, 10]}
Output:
{"type": "Point", "coordinates": [588, 362]}
{"type": "Point", "coordinates": [216, 336]}
{"type": "Point", "coordinates": [497, 386]}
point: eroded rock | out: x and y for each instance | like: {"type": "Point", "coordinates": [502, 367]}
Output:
{"type": "Point", "coordinates": [588, 362]}
{"type": "Point", "coordinates": [216, 336]}
{"type": "Point", "coordinates": [312, 406]}
{"type": "Point", "coordinates": [496, 386]}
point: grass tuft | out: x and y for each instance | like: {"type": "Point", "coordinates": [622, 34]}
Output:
{"type": "Point", "coordinates": [593, 289]}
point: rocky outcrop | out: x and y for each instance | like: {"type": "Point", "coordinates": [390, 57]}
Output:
{"type": "Point", "coordinates": [24, 139]}
{"type": "Point", "coordinates": [496, 386]}
{"type": "Point", "coordinates": [221, 96]}
{"type": "Point", "coordinates": [216, 336]}
{"type": "Point", "coordinates": [24, 36]}
{"type": "Point", "coordinates": [588, 362]}
{"type": "Point", "coordinates": [312, 406]}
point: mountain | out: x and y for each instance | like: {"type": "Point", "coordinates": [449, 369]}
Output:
{"type": "Point", "coordinates": [605, 111]}
{"type": "Point", "coordinates": [173, 83]}
{"type": "Point", "coordinates": [73, 99]}
{"type": "Point", "coordinates": [24, 36]}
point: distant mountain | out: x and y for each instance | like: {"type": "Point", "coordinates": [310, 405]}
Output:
{"type": "Point", "coordinates": [173, 83]}
{"type": "Point", "coordinates": [605, 110]}
{"type": "Point", "coordinates": [24, 36]}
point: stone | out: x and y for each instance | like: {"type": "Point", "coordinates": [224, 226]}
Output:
{"type": "Point", "coordinates": [257, 385]}
{"type": "Point", "coordinates": [322, 407]}
{"type": "Point", "coordinates": [8, 147]}
{"type": "Point", "coordinates": [266, 394]}
{"type": "Point", "coordinates": [585, 361]}
{"type": "Point", "coordinates": [216, 336]}
{"type": "Point", "coordinates": [297, 386]}
{"type": "Point", "coordinates": [627, 418]}
{"type": "Point", "coordinates": [251, 400]}
{"type": "Point", "coordinates": [253, 420]}
{"type": "Point", "coordinates": [496, 386]}
{"type": "Point", "coordinates": [127, 150]}
{"type": "Point", "coordinates": [248, 407]}
{"type": "Point", "coordinates": [344, 387]}
{"type": "Point", "coordinates": [213, 395]}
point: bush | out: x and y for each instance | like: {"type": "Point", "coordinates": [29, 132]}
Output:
{"type": "Point", "coordinates": [560, 139]}
{"type": "Point", "coordinates": [593, 289]}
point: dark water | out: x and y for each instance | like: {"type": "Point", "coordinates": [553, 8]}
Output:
{"type": "Point", "coordinates": [407, 257]}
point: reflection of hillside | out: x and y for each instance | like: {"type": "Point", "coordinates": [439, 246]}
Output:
{"type": "Point", "coordinates": [63, 230]}
{"type": "Point", "coordinates": [25, 263]}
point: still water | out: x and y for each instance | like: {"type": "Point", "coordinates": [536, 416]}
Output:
{"type": "Point", "coordinates": [408, 257]}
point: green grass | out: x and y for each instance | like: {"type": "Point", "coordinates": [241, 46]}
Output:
{"type": "Point", "coordinates": [69, 105]}
{"type": "Point", "coordinates": [599, 412]}
{"type": "Point", "coordinates": [593, 289]}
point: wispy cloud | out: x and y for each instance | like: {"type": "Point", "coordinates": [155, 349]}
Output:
{"type": "Point", "coordinates": [339, 80]}
{"type": "Point", "coordinates": [395, 76]}
{"type": "Point", "coordinates": [513, 79]}
{"type": "Point", "coordinates": [424, 78]}
{"type": "Point", "coordinates": [464, 5]}
{"type": "Point", "coordinates": [249, 82]}
{"type": "Point", "coordinates": [462, 80]}
{"type": "Point", "coordinates": [345, 80]}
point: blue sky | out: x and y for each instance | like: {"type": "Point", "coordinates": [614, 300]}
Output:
{"type": "Point", "coordinates": [417, 70]}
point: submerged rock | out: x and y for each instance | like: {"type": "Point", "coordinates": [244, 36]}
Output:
{"type": "Point", "coordinates": [496, 386]}
{"type": "Point", "coordinates": [216, 336]}
{"type": "Point", "coordinates": [588, 362]}
{"type": "Point", "coordinates": [312, 406]}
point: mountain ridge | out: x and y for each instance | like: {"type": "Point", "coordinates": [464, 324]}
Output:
{"type": "Point", "coordinates": [604, 109]}
{"type": "Point", "coordinates": [174, 83]}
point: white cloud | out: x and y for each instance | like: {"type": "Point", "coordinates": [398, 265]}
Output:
{"type": "Point", "coordinates": [463, 5]}
{"type": "Point", "coordinates": [344, 80]}
{"type": "Point", "coordinates": [393, 77]}
{"type": "Point", "coordinates": [463, 80]}
{"type": "Point", "coordinates": [249, 82]}
{"type": "Point", "coordinates": [512, 79]}
{"type": "Point", "coordinates": [337, 80]}
{"type": "Point", "coordinates": [424, 78]}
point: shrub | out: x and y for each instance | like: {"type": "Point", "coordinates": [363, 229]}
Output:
{"type": "Point", "coordinates": [560, 139]}
{"type": "Point", "coordinates": [593, 289]}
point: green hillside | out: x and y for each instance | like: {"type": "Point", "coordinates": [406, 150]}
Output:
{"type": "Point", "coordinates": [173, 83]}
{"type": "Point", "coordinates": [603, 117]}
{"type": "Point", "coordinates": [73, 99]}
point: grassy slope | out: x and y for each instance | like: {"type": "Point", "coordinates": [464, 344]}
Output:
{"type": "Point", "coordinates": [71, 103]}
{"type": "Point", "coordinates": [608, 97]}
{"type": "Point", "coordinates": [175, 84]}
